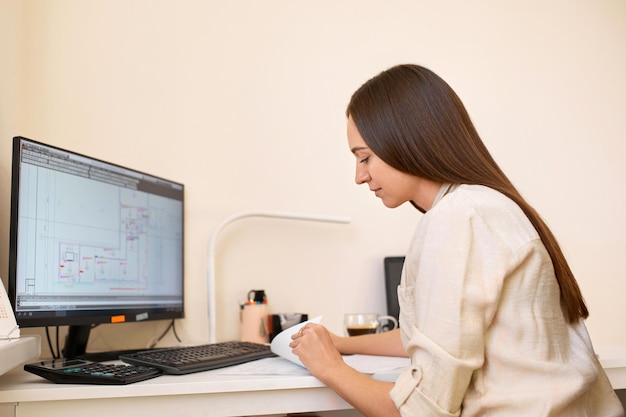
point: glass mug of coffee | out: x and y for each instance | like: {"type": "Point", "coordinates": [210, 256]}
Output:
{"type": "Point", "coordinates": [357, 324]}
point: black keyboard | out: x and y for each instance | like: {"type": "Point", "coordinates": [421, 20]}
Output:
{"type": "Point", "coordinates": [188, 359]}
{"type": "Point", "coordinates": [79, 371]}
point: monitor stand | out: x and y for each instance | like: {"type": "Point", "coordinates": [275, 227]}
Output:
{"type": "Point", "coordinates": [76, 341]}
{"type": "Point", "coordinates": [76, 346]}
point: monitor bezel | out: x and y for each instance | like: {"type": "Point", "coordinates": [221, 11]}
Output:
{"type": "Point", "coordinates": [82, 317]}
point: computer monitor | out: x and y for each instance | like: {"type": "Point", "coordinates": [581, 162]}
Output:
{"type": "Point", "coordinates": [393, 273]}
{"type": "Point", "coordinates": [91, 242]}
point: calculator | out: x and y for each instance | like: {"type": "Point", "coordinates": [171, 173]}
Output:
{"type": "Point", "coordinates": [79, 371]}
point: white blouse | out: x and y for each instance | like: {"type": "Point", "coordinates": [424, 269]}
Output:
{"type": "Point", "coordinates": [481, 319]}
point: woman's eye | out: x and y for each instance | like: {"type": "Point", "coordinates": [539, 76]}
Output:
{"type": "Point", "coordinates": [364, 159]}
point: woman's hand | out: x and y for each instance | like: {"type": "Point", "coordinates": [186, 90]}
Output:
{"type": "Point", "coordinates": [315, 346]}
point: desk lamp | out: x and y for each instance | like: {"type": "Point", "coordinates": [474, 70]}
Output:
{"type": "Point", "coordinates": [213, 243]}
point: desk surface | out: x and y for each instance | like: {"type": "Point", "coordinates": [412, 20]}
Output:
{"type": "Point", "coordinates": [226, 395]}
{"type": "Point", "coordinates": [223, 395]}
{"type": "Point", "coordinates": [19, 385]}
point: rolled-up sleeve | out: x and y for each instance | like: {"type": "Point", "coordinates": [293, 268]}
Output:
{"type": "Point", "coordinates": [444, 387]}
{"type": "Point", "coordinates": [408, 397]}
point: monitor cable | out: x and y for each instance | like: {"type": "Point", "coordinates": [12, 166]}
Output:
{"type": "Point", "coordinates": [55, 355]}
{"type": "Point", "coordinates": [172, 326]}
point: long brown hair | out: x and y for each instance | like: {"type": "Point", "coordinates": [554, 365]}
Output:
{"type": "Point", "coordinates": [415, 122]}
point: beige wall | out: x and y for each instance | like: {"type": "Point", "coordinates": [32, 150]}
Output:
{"type": "Point", "coordinates": [243, 102]}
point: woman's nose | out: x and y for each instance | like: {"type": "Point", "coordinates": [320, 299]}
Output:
{"type": "Point", "coordinates": [362, 176]}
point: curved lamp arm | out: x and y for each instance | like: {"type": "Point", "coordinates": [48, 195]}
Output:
{"type": "Point", "coordinates": [213, 243]}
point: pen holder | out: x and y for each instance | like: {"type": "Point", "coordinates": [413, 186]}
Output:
{"type": "Point", "coordinates": [254, 326]}
{"type": "Point", "coordinates": [280, 322]}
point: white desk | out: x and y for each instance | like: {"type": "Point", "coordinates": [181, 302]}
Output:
{"type": "Point", "coordinates": [209, 393]}
{"type": "Point", "coordinates": [201, 394]}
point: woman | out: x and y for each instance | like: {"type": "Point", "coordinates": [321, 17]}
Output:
{"type": "Point", "coordinates": [491, 315]}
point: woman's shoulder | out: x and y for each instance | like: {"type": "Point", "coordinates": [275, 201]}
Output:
{"type": "Point", "coordinates": [477, 198]}
{"type": "Point", "coordinates": [481, 205]}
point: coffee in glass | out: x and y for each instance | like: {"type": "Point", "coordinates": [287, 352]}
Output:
{"type": "Point", "coordinates": [357, 324]}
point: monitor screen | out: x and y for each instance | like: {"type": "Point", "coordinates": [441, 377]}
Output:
{"type": "Point", "coordinates": [91, 242]}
